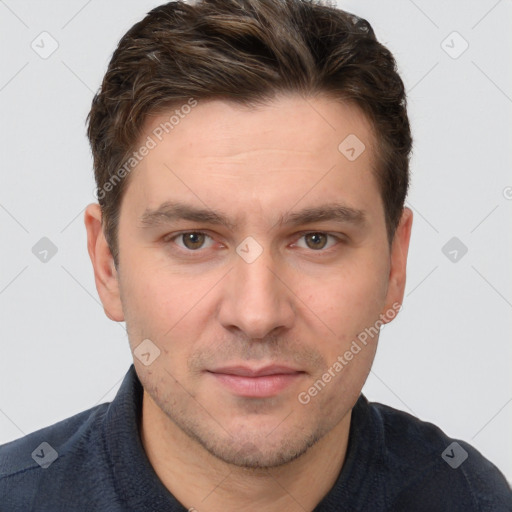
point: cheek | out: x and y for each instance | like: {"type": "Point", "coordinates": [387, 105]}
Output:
{"type": "Point", "coordinates": [348, 301]}
{"type": "Point", "coordinates": [151, 287]}
{"type": "Point", "coordinates": [149, 303]}
{"type": "Point", "coordinates": [166, 306]}
{"type": "Point", "coordinates": [348, 297]}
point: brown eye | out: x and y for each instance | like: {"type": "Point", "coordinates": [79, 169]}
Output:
{"type": "Point", "coordinates": [193, 240]}
{"type": "Point", "coordinates": [316, 240]}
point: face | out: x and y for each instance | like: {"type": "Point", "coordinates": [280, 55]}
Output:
{"type": "Point", "coordinates": [254, 257]}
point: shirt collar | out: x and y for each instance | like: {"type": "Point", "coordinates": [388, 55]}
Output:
{"type": "Point", "coordinates": [135, 479]}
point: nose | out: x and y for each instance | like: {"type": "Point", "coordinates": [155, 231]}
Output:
{"type": "Point", "coordinates": [255, 298]}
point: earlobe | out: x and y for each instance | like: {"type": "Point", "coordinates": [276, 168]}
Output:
{"type": "Point", "coordinates": [398, 261]}
{"type": "Point", "coordinates": [105, 273]}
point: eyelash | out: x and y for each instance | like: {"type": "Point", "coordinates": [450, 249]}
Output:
{"type": "Point", "coordinates": [338, 239]}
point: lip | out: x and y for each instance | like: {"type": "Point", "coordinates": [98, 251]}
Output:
{"type": "Point", "coordinates": [262, 382]}
{"type": "Point", "coordinates": [245, 371]}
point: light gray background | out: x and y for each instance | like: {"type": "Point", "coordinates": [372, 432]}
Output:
{"type": "Point", "coordinates": [446, 358]}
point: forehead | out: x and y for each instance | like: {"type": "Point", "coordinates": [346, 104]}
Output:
{"type": "Point", "coordinates": [289, 122]}
{"type": "Point", "coordinates": [290, 148]}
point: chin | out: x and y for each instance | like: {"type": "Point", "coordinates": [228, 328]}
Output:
{"type": "Point", "coordinates": [258, 452]}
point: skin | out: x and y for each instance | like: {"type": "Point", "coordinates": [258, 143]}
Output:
{"type": "Point", "coordinates": [295, 304]}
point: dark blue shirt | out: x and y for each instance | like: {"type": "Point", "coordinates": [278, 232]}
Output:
{"type": "Point", "coordinates": [95, 461]}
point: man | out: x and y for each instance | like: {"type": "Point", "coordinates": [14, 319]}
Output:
{"type": "Point", "coordinates": [251, 158]}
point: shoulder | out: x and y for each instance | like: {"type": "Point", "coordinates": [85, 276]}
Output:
{"type": "Point", "coordinates": [425, 464]}
{"type": "Point", "coordinates": [65, 446]}
{"type": "Point", "coordinates": [21, 455]}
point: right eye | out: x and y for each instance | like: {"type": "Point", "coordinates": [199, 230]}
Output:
{"type": "Point", "coordinates": [191, 240]}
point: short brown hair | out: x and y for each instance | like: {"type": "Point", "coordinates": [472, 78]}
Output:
{"type": "Point", "coordinates": [246, 51]}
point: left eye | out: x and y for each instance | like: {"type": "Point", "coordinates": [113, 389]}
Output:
{"type": "Point", "coordinates": [316, 241]}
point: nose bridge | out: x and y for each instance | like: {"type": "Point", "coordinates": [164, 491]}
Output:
{"type": "Point", "coordinates": [257, 301]}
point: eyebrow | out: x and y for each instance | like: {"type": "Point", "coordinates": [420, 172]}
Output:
{"type": "Point", "coordinates": [169, 212]}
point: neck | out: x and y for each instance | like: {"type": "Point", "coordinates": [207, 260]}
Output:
{"type": "Point", "coordinates": [205, 483]}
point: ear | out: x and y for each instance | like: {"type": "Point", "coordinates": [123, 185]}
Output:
{"type": "Point", "coordinates": [398, 264]}
{"type": "Point", "coordinates": [105, 273]}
